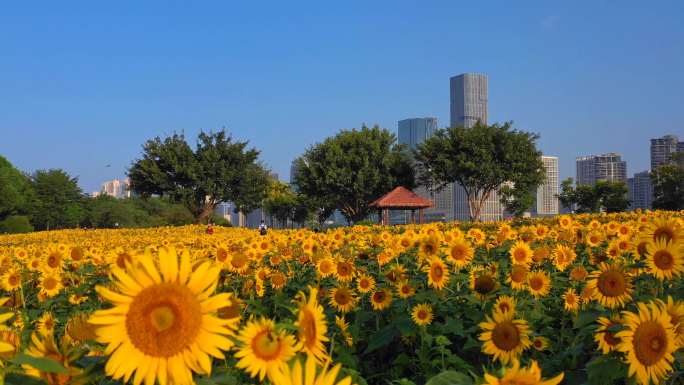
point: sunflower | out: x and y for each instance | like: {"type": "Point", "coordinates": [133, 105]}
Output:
{"type": "Point", "coordinates": [666, 229]}
{"type": "Point", "coordinates": [504, 337]}
{"type": "Point", "coordinates": [648, 342]}
{"type": "Point", "coordinates": [46, 324]}
{"type": "Point", "coordinates": [325, 267]}
{"type": "Point", "coordinates": [162, 324]}
{"type": "Point", "coordinates": [460, 252]}
{"type": "Point", "coordinates": [342, 298]}
{"type": "Point", "coordinates": [522, 376]}
{"type": "Point", "coordinates": [344, 271]}
{"type": "Point", "coordinates": [342, 324]}
{"type": "Point", "coordinates": [11, 280]}
{"type": "Point", "coordinates": [44, 346]}
{"type": "Point", "coordinates": [604, 336]}
{"type": "Point", "coordinates": [238, 263]}
{"type": "Point", "coordinates": [665, 259]}
{"type": "Point", "coordinates": [312, 326]}
{"type": "Point", "coordinates": [676, 311]}
{"type": "Point", "coordinates": [438, 274]}
{"type": "Point", "coordinates": [381, 299]}
{"type": "Point", "coordinates": [422, 314]}
{"type": "Point", "coordinates": [278, 280]}
{"type": "Point", "coordinates": [611, 286]}
{"type": "Point", "coordinates": [593, 238]}
{"type": "Point", "coordinates": [540, 343]}
{"type": "Point", "coordinates": [263, 350]}
{"type": "Point", "coordinates": [504, 304]}
{"type": "Point", "coordinates": [308, 374]}
{"type": "Point", "coordinates": [578, 274]}
{"type": "Point", "coordinates": [429, 247]}
{"type": "Point", "coordinates": [477, 236]}
{"type": "Point", "coordinates": [482, 282]}
{"type": "Point", "coordinates": [520, 253]}
{"type": "Point", "coordinates": [538, 283]}
{"type": "Point", "coordinates": [563, 256]}
{"type": "Point", "coordinates": [405, 290]}
{"type": "Point", "coordinates": [518, 277]}
{"type": "Point", "coordinates": [571, 300]}
{"type": "Point", "coordinates": [365, 283]}
{"type": "Point", "coordinates": [50, 284]}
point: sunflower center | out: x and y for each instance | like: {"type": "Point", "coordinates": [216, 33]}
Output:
{"type": "Point", "coordinates": [611, 283]}
{"type": "Point", "coordinates": [504, 308]}
{"type": "Point", "coordinates": [341, 297]}
{"type": "Point", "coordinates": [437, 272]}
{"type": "Point", "coordinates": [50, 283]}
{"type": "Point", "coordinates": [536, 283]}
{"type": "Point", "coordinates": [379, 296]}
{"type": "Point", "coordinates": [221, 255]}
{"type": "Point", "coordinates": [484, 284]}
{"type": "Point", "coordinates": [650, 342]}
{"type": "Point", "coordinates": [518, 274]}
{"type": "Point", "coordinates": [53, 261]}
{"type": "Point", "coordinates": [664, 233]}
{"type": "Point", "coordinates": [520, 255]}
{"type": "Point", "coordinates": [239, 261]}
{"type": "Point", "coordinates": [458, 253]}
{"type": "Point", "coordinates": [308, 328]}
{"type": "Point", "coordinates": [13, 280]}
{"type": "Point", "coordinates": [663, 260]}
{"type": "Point", "coordinates": [266, 346]}
{"type": "Point", "coordinates": [422, 314]}
{"type": "Point", "coordinates": [163, 319]}
{"type": "Point", "coordinates": [506, 336]}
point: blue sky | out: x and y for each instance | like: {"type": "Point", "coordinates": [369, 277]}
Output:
{"type": "Point", "coordinates": [84, 84]}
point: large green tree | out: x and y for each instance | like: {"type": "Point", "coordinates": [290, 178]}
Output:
{"type": "Point", "coordinates": [217, 170]}
{"type": "Point", "coordinates": [15, 190]}
{"type": "Point", "coordinates": [668, 185]}
{"type": "Point", "coordinates": [603, 195]}
{"type": "Point", "coordinates": [59, 202]}
{"type": "Point", "coordinates": [351, 169]}
{"type": "Point", "coordinates": [482, 159]}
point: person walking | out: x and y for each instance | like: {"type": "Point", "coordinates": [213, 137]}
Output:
{"type": "Point", "coordinates": [263, 229]}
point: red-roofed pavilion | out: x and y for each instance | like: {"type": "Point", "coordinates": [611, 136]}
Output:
{"type": "Point", "coordinates": [401, 198]}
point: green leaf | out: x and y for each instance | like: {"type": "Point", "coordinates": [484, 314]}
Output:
{"type": "Point", "coordinates": [604, 370]}
{"type": "Point", "coordinates": [22, 379]}
{"type": "Point", "coordinates": [382, 338]}
{"type": "Point", "coordinates": [43, 364]}
{"type": "Point", "coordinates": [450, 377]}
{"type": "Point", "coordinates": [585, 318]}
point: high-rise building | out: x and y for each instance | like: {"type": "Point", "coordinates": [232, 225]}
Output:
{"type": "Point", "coordinates": [468, 99]}
{"type": "Point", "coordinates": [547, 193]}
{"type": "Point", "coordinates": [640, 191]}
{"type": "Point", "coordinates": [414, 131]}
{"type": "Point", "coordinates": [606, 167]}
{"type": "Point", "coordinates": [117, 188]}
{"type": "Point", "coordinates": [663, 148]}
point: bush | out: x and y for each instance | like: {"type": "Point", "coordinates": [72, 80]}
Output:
{"type": "Point", "coordinates": [16, 224]}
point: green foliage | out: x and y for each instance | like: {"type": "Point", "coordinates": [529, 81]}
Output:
{"type": "Point", "coordinates": [44, 364]}
{"type": "Point", "coordinates": [482, 159]}
{"type": "Point", "coordinates": [59, 202]}
{"type": "Point", "coordinates": [450, 377]}
{"type": "Point", "coordinates": [351, 169]}
{"type": "Point", "coordinates": [218, 170]}
{"type": "Point", "coordinates": [108, 212]}
{"type": "Point", "coordinates": [15, 224]}
{"type": "Point", "coordinates": [604, 195]}
{"type": "Point", "coordinates": [668, 185]}
{"type": "Point", "coordinates": [15, 190]}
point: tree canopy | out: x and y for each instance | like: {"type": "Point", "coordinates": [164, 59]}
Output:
{"type": "Point", "coordinates": [351, 169]}
{"type": "Point", "coordinates": [482, 159]}
{"type": "Point", "coordinates": [59, 202]}
{"type": "Point", "coordinates": [668, 185]}
{"type": "Point", "coordinates": [16, 191]}
{"type": "Point", "coordinates": [604, 195]}
{"type": "Point", "coordinates": [217, 170]}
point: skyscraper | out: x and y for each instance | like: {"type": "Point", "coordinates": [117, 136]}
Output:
{"type": "Point", "coordinates": [547, 193]}
{"type": "Point", "coordinates": [414, 131]}
{"type": "Point", "coordinates": [663, 148]}
{"type": "Point", "coordinates": [468, 99]}
{"type": "Point", "coordinates": [604, 167]}
{"type": "Point", "coordinates": [640, 191]}
{"type": "Point", "coordinates": [117, 188]}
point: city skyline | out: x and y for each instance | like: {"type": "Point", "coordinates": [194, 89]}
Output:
{"type": "Point", "coordinates": [82, 101]}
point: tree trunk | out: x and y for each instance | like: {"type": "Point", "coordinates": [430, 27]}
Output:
{"type": "Point", "coordinates": [205, 213]}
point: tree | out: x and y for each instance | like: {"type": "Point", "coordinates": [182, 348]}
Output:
{"type": "Point", "coordinates": [218, 170]}
{"type": "Point", "coordinates": [280, 202]}
{"type": "Point", "coordinates": [604, 195]}
{"type": "Point", "coordinates": [15, 190]}
{"type": "Point", "coordinates": [481, 159]}
{"type": "Point", "coordinates": [59, 202]}
{"type": "Point", "coordinates": [351, 169]}
{"type": "Point", "coordinates": [668, 185]}
{"type": "Point", "coordinates": [518, 200]}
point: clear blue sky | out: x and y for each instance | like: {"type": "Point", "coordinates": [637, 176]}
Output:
{"type": "Point", "coordinates": [84, 84]}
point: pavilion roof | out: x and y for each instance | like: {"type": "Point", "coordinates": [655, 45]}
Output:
{"type": "Point", "coordinates": [401, 198]}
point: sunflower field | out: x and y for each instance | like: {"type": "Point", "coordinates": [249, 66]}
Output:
{"type": "Point", "coordinates": [576, 299]}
